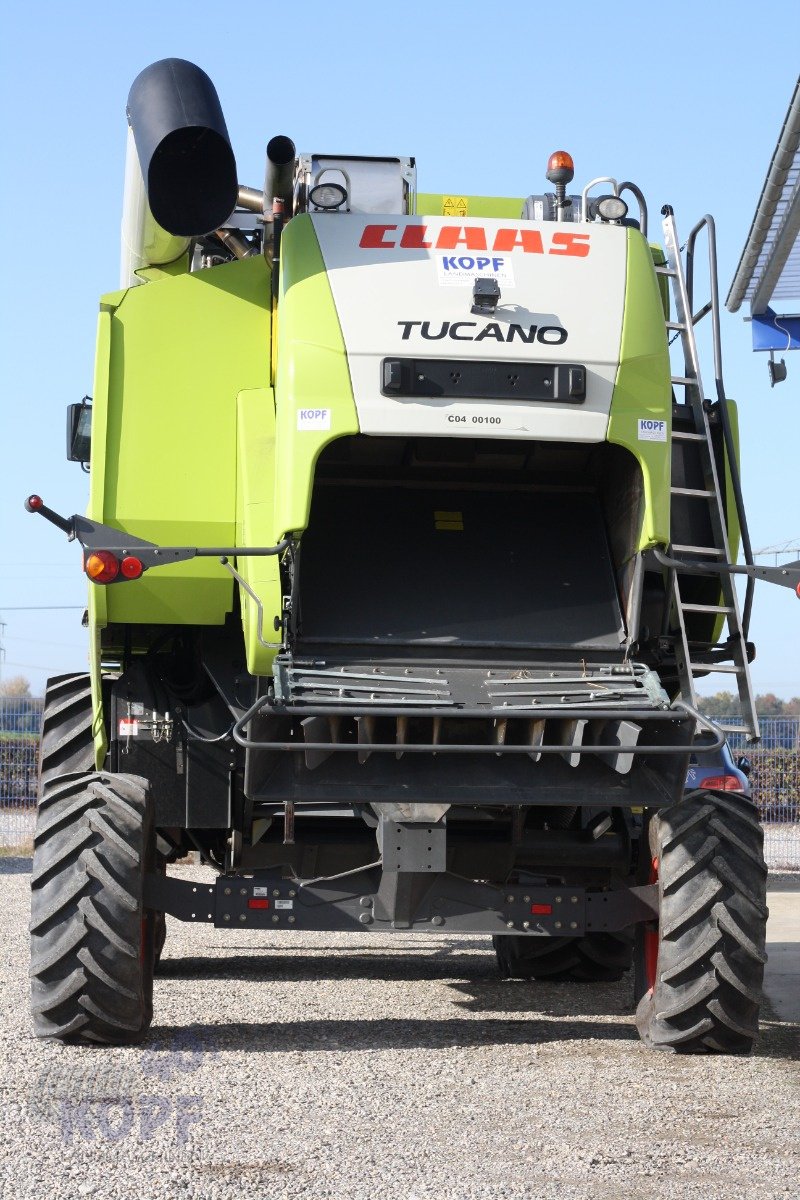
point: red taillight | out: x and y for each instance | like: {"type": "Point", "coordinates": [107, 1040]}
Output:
{"type": "Point", "coordinates": [255, 903]}
{"type": "Point", "coordinates": [541, 910]}
{"type": "Point", "coordinates": [131, 567]}
{"type": "Point", "coordinates": [722, 783]}
{"type": "Point", "coordinates": [101, 566]}
{"type": "Point", "coordinates": [34, 503]}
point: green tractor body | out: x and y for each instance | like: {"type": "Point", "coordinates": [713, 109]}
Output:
{"type": "Point", "coordinates": [404, 557]}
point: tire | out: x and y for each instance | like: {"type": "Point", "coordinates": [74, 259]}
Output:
{"type": "Point", "coordinates": [700, 973]}
{"type": "Point", "coordinates": [594, 958]}
{"type": "Point", "coordinates": [159, 937]}
{"type": "Point", "coordinates": [92, 941]}
{"type": "Point", "coordinates": [67, 745]}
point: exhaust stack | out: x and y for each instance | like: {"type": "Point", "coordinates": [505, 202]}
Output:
{"type": "Point", "coordinates": [279, 182]}
{"type": "Point", "coordinates": [183, 147]}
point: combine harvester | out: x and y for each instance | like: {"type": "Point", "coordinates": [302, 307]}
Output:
{"type": "Point", "coordinates": [406, 547]}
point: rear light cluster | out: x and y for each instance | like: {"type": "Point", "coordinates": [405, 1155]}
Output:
{"type": "Point", "coordinates": [722, 783]}
{"type": "Point", "coordinates": [104, 567]}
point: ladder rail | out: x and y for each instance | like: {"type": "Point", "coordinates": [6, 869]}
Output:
{"type": "Point", "coordinates": [707, 222]}
{"type": "Point", "coordinates": [712, 494]}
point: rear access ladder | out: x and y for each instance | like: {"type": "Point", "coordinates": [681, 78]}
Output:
{"type": "Point", "coordinates": [693, 660]}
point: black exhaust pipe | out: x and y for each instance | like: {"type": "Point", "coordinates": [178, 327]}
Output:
{"type": "Point", "coordinates": [183, 146]}
{"type": "Point", "coordinates": [279, 182]}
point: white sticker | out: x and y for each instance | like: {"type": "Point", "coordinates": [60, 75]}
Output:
{"type": "Point", "coordinates": [461, 270]}
{"type": "Point", "coordinates": [260, 891]}
{"type": "Point", "coordinates": [128, 728]}
{"type": "Point", "coordinates": [313, 418]}
{"type": "Point", "coordinates": [651, 430]}
{"type": "Point", "coordinates": [284, 903]}
{"type": "Point", "coordinates": [137, 709]}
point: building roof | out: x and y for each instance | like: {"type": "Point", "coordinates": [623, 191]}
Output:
{"type": "Point", "coordinates": [769, 268]}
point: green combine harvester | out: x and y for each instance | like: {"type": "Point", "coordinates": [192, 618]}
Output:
{"type": "Point", "coordinates": [406, 546]}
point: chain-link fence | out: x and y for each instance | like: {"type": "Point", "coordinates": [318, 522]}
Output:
{"type": "Point", "coordinates": [20, 721]}
{"type": "Point", "coordinates": [775, 778]}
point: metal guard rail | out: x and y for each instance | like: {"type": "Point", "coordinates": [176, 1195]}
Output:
{"type": "Point", "coordinates": [263, 707]}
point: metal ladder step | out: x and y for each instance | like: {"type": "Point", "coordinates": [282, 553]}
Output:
{"type": "Point", "coordinates": [693, 493]}
{"type": "Point", "coordinates": [666, 271]}
{"type": "Point", "coordinates": [712, 551]}
{"type": "Point", "coordinates": [676, 326]}
{"type": "Point", "coordinates": [721, 668]}
{"type": "Point", "coordinates": [683, 435]}
{"type": "Point", "coordinates": [684, 380]}
{"type": "Point", "coordinates": [708, 608]}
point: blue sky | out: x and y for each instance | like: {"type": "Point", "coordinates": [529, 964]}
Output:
{"type": "Point", "coordinates": [687, 100]}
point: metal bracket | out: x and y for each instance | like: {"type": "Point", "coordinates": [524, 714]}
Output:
{"type": "Point", "coordinates": [428, 902]}
{"type": "Point", "coordinates": [411, 846]}
{"type": "Point", "coordinates": [92, 535]}
{"type": "Point", "coordinates": [787, 575]}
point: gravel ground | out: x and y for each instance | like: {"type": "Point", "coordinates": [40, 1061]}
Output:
{"type": "Point", "coordinates": [358, 1067]}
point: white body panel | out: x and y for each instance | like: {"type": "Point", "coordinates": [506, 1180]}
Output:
{"type": "Point", "coordinates": [413, 300]}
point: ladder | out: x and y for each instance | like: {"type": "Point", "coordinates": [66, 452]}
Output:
{"type": "Point", "coordinates": [731, 658]}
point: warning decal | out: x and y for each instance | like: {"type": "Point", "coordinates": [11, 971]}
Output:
{"type": "Point", "coordinates": [448, 520]}
{"type": "Point", "coordinates": [454, 206]}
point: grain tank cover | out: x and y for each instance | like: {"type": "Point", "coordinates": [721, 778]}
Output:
{"type": "Point", "coordinates": [184, 150]}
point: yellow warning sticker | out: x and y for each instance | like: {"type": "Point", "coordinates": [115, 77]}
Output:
{"type": "Point", "coordinates": [449, 520]}
{"type": "Point", "coordinates": [454, 206]}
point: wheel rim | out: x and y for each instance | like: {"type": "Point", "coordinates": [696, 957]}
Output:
{"type": "Point", "coordinates": [651, 939]}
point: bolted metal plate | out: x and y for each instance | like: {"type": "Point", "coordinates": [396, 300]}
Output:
{"type": "Point", "coordinates": [413, 846]}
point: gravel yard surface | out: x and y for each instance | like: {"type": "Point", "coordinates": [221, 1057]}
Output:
{"type": "Point", "coordinates": [358, 1067]}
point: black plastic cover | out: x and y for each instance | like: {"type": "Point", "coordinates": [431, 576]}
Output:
{"type": "Point", "coordinates": [184, 150]}
{"type": "Point", "coordinates": [453, 379]}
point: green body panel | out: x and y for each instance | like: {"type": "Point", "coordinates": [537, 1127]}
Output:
{"type": "Point", "coordinates": [660, 260]}
{"type": "Point", "coordinates": [430, 204]}
{"type": "Point", "coordinates": [643, 390]}
{"type": "Point", "coordinates": [312, 372]}
{"type": "Point", "coordinates": [255, 523]}
{"type": "Point", "coordinates": [179, 266]}
{"type": "Point", "coordinates": [172, 358]}
{"type": "Point", "coordinates": [734, 528]}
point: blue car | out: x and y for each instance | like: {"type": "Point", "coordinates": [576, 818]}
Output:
{"type": "Point", "coordinates": [717, 770]}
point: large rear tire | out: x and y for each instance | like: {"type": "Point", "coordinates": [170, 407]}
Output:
{"type": "Point", "coordinates": [92, 940]}
{"type": "Point", "coordinates": [67, 745]}
{"type": "Point", "coordinates": [699, 974]}
{"type": "Point", "coordinates": [594, 958]}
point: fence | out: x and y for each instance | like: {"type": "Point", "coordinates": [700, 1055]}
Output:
{"type": "Point", "coordinates": [775, 778]}
{"type": "Point", "coordinates": [20, 721]}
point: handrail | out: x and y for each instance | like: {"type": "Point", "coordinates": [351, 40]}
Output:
{"type": "Point", "coordinates": [707, 222]}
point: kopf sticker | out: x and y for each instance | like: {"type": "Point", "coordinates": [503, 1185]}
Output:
{"type": "Point", "coordinates": [313, 418]}
{"type": "Point", "coordinates": [651, 430]}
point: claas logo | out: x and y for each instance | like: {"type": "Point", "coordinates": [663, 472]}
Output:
{"type": "Point", "coordinates": [474, 237]}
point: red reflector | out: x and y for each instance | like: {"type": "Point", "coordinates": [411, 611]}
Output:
{"type": "Point", "coordinates": [722, 783]}
{"type": "Point", "coordinates": [131, 567]}
{"type": "Point", "coordinates": [34, 503]}
{"type": "Point", "coordinates": [101, 566]}
{"type": "Point", "coordinates": [256, 903]}
{"type": "Point", "coordinates": [541, 910]}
